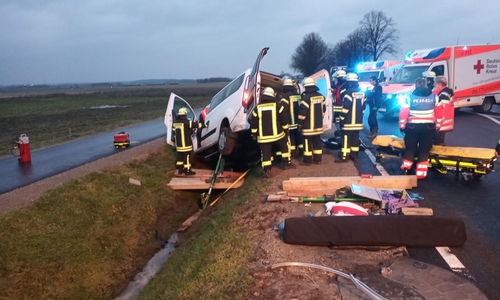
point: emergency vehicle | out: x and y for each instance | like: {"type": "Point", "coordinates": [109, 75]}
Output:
{"type": "Point", "coordinates": [383, 70]}
{"type": "Point", "coordinates": [472, 72]}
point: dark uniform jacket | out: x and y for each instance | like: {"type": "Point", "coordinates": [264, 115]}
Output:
{"type": "Point", "coordinates": [291, 102]}
{"type": "Point", "coordinates": [183, 129]}
{"type": "Point", "coordinates": [374, 97]}
{"type": "Point", "coordinates": [268, 120]}
{"type": "Point", "coordinates": [312, 109]}
{"type": "Point", "coordinates": [353, 106]}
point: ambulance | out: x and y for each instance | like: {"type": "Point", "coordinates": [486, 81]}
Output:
{"type": "Point", "coordinates": [383, 70]}
{"type": "Point", "coordinates": [472, 72]}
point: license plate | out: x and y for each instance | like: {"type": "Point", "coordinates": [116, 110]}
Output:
{"type": "Point", "coordinates": [382, 109]}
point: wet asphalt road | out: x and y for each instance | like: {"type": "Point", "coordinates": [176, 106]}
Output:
{"type": "Point", "coordinates": [476, 202]}
{"type": "Point", "coordinates": [57, 159]}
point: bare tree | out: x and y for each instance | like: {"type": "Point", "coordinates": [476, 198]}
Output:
{"type": "Point", "coordinates": [382, 36]}
{"type": "Point", "coordinates": [351, 51]}
{"type": "Point", "coordinates": [311, 55]}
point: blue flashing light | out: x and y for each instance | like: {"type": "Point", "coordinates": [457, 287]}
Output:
{"type": "Point", "coordinates": [360, 67]}
{"type": "Point", "coordinates": [389, 96]}
{"type": "Point", "coordinates": [408, 55]}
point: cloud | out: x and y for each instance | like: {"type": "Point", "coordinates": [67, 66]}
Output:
{"type": "Point", "coordinates": [90, 41]}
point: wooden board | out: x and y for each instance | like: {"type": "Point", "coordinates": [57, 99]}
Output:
{"type": "Point", "coordinates": [333, 183]}
{"type": "Point", "coordinates": [201, 181]}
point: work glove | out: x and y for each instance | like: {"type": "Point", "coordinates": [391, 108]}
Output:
{"type": "Point", "coordinates": [254, 136]}
{"type": "Point", "coordinates": [206, 125]}
{"type": "Point", "coordinates": [299, 127]}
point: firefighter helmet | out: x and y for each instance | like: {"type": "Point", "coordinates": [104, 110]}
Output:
{"type": "Point", "coordinates": [308, 81]}
{"type": "Point", "coordinates": [268, 91]}
{"type": "Point", "coordinates": [352, 77]}
{"type": "Point", "coordinates": [430, 74]}
{"type": "Point", "coordinates": [182, 111]}
{"type": "Point", "coordinates": [339, 73]}
{"type": "Point", "coordinates": [287, 82]}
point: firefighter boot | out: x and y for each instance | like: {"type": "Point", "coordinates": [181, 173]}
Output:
{"type": "Point", "coordinates": [189, 172]}
{"type": "Point", "coordinates": [373, 133]}
{"type": "Point", "coordinates": [180, 170]}
{"type": "Point", "coordinates": [287, 165]}
{"type": "Point", "coordinates": [267, 172]}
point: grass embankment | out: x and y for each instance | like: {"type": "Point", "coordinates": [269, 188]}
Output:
{"type": "Point", "coordinates": [89, 237]}
{"type": "Point", "coordinates": [56, 118]}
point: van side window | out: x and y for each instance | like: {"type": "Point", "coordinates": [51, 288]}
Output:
{"type": "Point", "coordinates": [439, 70]}
{"type": "Point", "coordinates": [230, 89]}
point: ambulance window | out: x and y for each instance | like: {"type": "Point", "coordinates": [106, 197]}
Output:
{"type": "Point", "coordinates": [439, 70]}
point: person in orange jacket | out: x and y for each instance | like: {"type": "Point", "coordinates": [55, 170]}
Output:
{"type": "Point", "coordinates": [419, 119]}
{"type": "Point", "coordinates": [445, 97]}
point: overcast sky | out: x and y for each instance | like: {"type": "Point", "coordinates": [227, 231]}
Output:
{"type": "Point", "coordinates": [68, 41]}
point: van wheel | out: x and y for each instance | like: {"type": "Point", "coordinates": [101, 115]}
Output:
{"type": "Point", "coordinates": [485, 107]}
{"type": "Point", "coordinates": [226, 141]}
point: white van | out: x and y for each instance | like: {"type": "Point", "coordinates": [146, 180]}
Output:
{"type": "Point", "coordinates": [228, 129]}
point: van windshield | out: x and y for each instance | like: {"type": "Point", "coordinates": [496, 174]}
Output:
{"type": "Point", "coordinates": [409, 73]}
{"type": "Point", "coordinates": [365, 76]}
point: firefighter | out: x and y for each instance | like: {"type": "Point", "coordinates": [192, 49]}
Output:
{"type": "Point", "coordinates": [419, 120]}
{"type": "Point", "coordinates": [430, 77]}
{"type": "Point", "coordinates": [374, 100]}
{"type": "Point", "coordinates": [445, 98]}
{"type": "Point", "coordinates": [269, 126]}
{"type": "Point", "coordinates": [291, 102]}
{"type": "Point", "coordinates": [182, 130]}
{"type": "Point", "coordinates": [351, 119]}
{"type": "Point", "coordinates": [312, 109]}
{"type": "Point", "coordinates": [338, 91]}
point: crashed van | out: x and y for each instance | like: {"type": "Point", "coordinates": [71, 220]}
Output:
{"type": "Point", "coordinates": [228, 130]}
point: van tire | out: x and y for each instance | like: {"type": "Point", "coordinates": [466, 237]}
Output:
{"type": "Point", "coordinates": [226, 141]}
{"type": "Point", "coordinates": [485, 107]}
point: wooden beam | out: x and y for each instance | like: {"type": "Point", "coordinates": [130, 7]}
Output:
{"type": "Point", "coordinates": [333, 183]}
{"type": "Point", "coordinates": [196, 183]}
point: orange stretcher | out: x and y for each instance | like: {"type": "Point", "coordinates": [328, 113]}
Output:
{"type": "Point", "coordinates": [470, 162]}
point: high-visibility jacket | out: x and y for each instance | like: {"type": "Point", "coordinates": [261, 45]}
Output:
{"type": "Point", "coordinates": [353, 107]}
{"type": "Point", "coordinates": [339, 95]}
{"type": "Point", "coordinates": [291, 103]}
{"type": "Point", "coordinates": [423, 107]}
{"type": "Point", "coordinates": [445, 98]}
{"type": "Point", "coordinates": [312, 109]}
{"type": "Point", "coordinates": [183, 129]}
{"type": "Point", "coordinates": [268, 120]}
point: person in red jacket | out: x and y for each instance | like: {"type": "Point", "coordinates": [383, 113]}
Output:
{"type": "Point", "coordinates": [419, 119]}
{"type": "Point", "coordinates": [445, 97]}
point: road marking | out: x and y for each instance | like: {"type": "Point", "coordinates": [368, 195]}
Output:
{"type": "Point", "coordinates": [445, 252]}
{"type": "Point", "coordinates": [488, 117]}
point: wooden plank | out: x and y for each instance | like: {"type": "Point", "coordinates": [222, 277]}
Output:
{"type": "Point", "coordinates": [417, 211]}
{"type": "Point", "coordinates": [196, 183]}
{"type": "Point", "coordinates": [333, 183]}
{"type": "Point", "coordinates": [134, 181]}
{"type": "Point", "coordinates": [191, 219]}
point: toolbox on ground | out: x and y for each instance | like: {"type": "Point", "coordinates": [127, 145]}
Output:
{"type": "Point", "coordinates": [121, 140]}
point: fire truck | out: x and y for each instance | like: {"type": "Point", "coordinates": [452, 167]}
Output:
{"type": "Point", "coordinates": [472, 72]}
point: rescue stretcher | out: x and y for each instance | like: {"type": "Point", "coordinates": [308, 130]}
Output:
{"type": "Point", "coordinates": [470, 162]}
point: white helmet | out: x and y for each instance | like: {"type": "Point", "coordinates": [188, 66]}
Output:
{"type": "Point", "coordinates": [339, 73]}
{"type": "Point", "coordinates": [308, 81]}
{"type": "Point", "coordinates": [268, 91]}
{"type": "Point", "coordinates": [288, 82]}
{"type": "Point", "coordinates": [352, 77]}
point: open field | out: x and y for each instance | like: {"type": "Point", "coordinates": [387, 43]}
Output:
{"type": "Point", "coordinates": [49, 118]}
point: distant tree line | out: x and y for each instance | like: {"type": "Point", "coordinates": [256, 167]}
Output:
{"type": "Point", "coordinates": [376, 36]}
{"type": "Point", "coordinates": [214, 79]}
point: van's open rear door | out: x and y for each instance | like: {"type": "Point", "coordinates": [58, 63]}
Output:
{"type": "Point", "coordinates": [174, 104]}
{"type": "Point", "coordinates": [254, 85]}
{"type": "Point", "coordinates": [322, 79]}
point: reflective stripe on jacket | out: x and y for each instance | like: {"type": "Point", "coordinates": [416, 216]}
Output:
{"type": "Point", "coordinates": [268, 121]}
{"type": "Point", "coordinates": [353, 108]}
{"type": "Point", "coordinates": [312, 109]}
{"type": "Point", "coordinates": [182, 130]}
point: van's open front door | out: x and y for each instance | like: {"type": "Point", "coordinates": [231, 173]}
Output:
{"type": "Point", "coordinates": [322, 79]}
{"type": "Point", "coordinates": [254, 85]}
{"type": "Point", "coordinates": [174, 104]}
